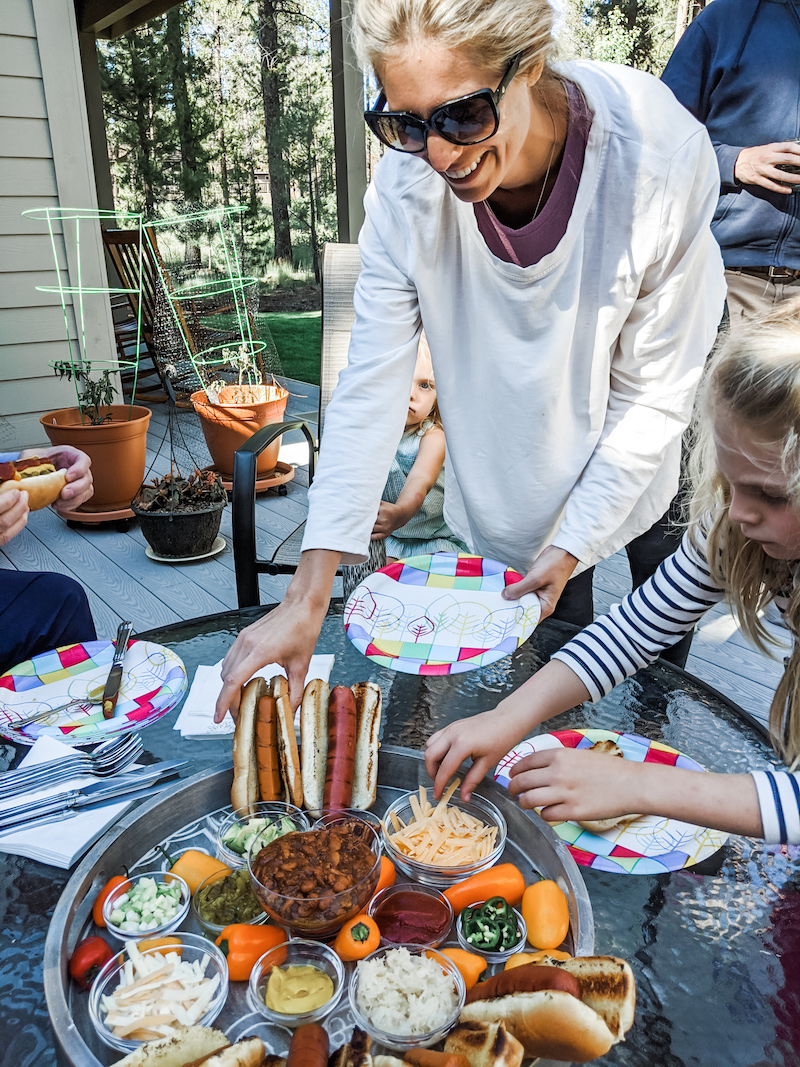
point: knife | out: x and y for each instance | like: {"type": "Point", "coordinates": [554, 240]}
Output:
{"type": "Point", "coordinates": [111, 691]}
{"type": "Point", "coordinates": [88, 796]}
{"type": "Point", "coordinates": [69, 813]}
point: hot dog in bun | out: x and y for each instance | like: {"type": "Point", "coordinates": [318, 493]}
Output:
{"type": "Point", "coordinates": [339, 744]}
{"type": "Point", "coordinates": [38, 477]}
{"type": "Point", "coordinates": [266, 762]}
{"type": "Point", "coordinates": [573, 1010]}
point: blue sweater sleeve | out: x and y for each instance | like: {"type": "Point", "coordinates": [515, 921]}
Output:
{"type": "Point", "coordinates": [8, 457]}
{"type": "Point", "coordinates": [689, 74]}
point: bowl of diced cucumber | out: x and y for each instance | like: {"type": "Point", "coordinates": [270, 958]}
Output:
{"type": "Point", "coordinates": [146, 905]}
{"type": "Point", "coordinates": [237, 831]}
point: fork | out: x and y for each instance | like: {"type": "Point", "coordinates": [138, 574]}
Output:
{"type": "Point", "coordinates": [109, 759]}
{"type": "Point", "coordinates": [37, 716]}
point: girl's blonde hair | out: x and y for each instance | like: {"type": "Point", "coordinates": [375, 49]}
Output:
{"type": "Point", "coordinates": [755, 379]}
{"type": "Point", "coordinates": [491, 31]}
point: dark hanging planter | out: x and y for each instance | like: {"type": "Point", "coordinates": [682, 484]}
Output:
{"type": "Point", "coordinates": [180, 517]}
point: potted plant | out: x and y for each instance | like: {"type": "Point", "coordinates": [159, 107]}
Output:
{"type": "Point", "coordinates": [113, 435]}
{"type": "Point", "coordinates": [180, 517]}
{"type": "Point", "coordinates": [231, 413]}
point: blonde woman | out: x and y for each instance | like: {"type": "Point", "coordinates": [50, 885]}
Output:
{"type": "Point", "coordinates": [743, 545]}
{"type": "Point", "coordinates": [550, 226]}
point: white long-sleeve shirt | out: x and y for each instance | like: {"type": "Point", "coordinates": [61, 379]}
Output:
{"type": "Point", "coordinates": [652, 618]}
{"type": "Point", "coordinates": [564, 387]}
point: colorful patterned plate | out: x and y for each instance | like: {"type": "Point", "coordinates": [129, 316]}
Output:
{"type": "Point", "coordinates": [153, 682]}
{"type": "Point", "coordinates": [649, 845]}
{"type": "Point", "coordinates": [439, 614]}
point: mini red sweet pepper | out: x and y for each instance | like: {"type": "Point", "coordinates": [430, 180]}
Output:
{"type": "Point", "coordinates": [88, 958]}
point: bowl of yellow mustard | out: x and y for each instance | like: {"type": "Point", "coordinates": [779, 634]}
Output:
{"type": "Point", "coordinates": [295, 983]}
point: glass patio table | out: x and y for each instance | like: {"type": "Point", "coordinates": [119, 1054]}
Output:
{"type": "Point", "coordinates": [714, 947]}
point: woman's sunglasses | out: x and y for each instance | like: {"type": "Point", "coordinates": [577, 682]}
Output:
{"type": "Point", "coordinates": [468, 120]}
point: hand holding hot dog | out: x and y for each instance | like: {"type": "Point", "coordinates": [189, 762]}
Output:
{"type": "Point", "coordinates": [76, 464]}
{"type": "Point", "coordinates": [13, 514]}
{"type": "Point", "coordinates": [286, 635]}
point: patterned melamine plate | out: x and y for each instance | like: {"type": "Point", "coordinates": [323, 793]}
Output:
{"type": "Point", "coordinates": [439, 614]}
{"type": "Point", "coordinates": [648, 845]}
{"type": "Point", "coordinates": [153, 681]}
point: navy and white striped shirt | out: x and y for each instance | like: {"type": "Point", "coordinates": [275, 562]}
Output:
{"type": "Point", "coordinates": [652, 618]}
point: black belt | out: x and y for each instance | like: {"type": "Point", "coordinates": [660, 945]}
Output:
{"type": "Point", "coordinates": [773, 274]}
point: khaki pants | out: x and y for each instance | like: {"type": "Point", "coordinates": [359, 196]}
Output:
{"type": "Point", "coordinates": [749, 297]}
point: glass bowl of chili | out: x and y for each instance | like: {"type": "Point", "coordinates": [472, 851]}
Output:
{"type": "Point", "coordinates": [305, 970]}
{"type": "Point", "coordinates": [409, 914]}
{"type": "Point", "coordinates": [404, 811]}
{"type": "Point", "coordinates": [492, 929]}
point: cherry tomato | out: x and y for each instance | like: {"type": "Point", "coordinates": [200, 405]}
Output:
{"type": "Point", "coordinates": [87, 959]}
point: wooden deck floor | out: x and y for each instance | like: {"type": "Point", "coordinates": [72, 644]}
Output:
{"type": "Point", "coordinates": [122, 582]}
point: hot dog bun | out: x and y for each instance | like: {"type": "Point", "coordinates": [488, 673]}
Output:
{"type": "Point", "coordinates": [314, 741]}
{"type": "Point", "coordinates": [485, 1045]}
{"type": "Point", "coordinates": [287, 742]}
{"type": "Point", "coordinates": [555, 1024]}
{"type": "Point", "coordinates": [365, 776]}
{"type": "Point", "coordinates": [42, 489]}
{"type": "Point", "coordinates": [187, 1045]}
{"type": "Point", "coordinates": [245, 791]}
{"type": "Point", "coordinates": [249, 1052]}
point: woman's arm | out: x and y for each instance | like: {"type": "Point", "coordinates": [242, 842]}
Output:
{"type": "Point", "coordinates": [421, 479]}
{"type": "Point", "coordinates": [286, 635]}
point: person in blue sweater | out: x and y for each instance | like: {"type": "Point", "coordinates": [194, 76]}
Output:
{"type": "Point", "coordinates": [737, 70]}
{"type": "Point", "coordinates": [40, 610]}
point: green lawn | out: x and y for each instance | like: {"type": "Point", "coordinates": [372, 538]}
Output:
{"type": "Point", "coordinates": [297, 336]}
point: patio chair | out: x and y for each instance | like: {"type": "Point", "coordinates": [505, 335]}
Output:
{"type": "Point", "coordinates": [340, 269]}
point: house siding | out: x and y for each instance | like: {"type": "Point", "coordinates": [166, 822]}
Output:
{"type": "Point", "coordinates": [45, 161]}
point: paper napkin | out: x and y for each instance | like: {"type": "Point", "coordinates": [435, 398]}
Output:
{"type": "Point", "coordinates": [196, 718]}
{"type": "Point", "coordinates": [60, 843]}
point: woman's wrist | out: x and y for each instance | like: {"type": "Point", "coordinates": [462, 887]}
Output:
{"type": "Point", "coordinates": [313, 580]}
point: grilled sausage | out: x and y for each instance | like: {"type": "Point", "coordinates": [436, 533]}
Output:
{"type": "Point", "coordinates": [309, 1047]}
{"type": "Point", "coordinates": [340, 766]}
{"type": "Point", "coordinates": [269, 768]}
{"type": "Point", "coordinates": [527, 979]}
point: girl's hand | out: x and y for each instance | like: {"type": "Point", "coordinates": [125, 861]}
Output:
{"type": "Point", "coordinates": [569, 784]}
{"type": "Point", "coordinates": [13, 513]}
{"type": "Point", "coordinates": [389, 519]}
{"type": "Point", "coordinates": [547, 578]}
{"type": "Point", "coordinates": [484, 739]}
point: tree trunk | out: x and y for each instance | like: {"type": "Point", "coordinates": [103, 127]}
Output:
{"type": "Point", "coordinates": [312, 216]}
{"type": "Point", "coordinates": [681, 19]}
{"type": "Point", "coordinates": [278, 181]}
{"type": "Point", "coordinates": [223, 146]}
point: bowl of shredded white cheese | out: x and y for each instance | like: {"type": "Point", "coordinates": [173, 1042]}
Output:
{"type": "Point", "coordinates": [406, 997]}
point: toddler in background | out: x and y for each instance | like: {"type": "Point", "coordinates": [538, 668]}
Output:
{"type": "Point", "coordinates": [742, 545]}
{"type": "Point", "coordinates": [411, 517]}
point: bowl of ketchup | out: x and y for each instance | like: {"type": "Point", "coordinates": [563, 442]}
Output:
{"type": "Point", "coordinates": [409, 914]}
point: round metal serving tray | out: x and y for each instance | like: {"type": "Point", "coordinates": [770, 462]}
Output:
{"type": "Point", "coordinates": [180, 817]}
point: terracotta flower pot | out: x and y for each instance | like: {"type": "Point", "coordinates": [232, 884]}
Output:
{"type": "Point", "coordinates": [227, 425]}
{"type": "Point", "coordinates": [116, 449]}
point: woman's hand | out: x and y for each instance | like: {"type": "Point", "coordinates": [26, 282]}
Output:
{"type": "Point", "coordinates": [286, 636]}
{"type": "Point", "coordinates": [570, 784]}
{"type": "Point", "coordinates": [13, 513]}
{"type": "Point", "coordinates": [547, 578]}
{"type": "Point", "coordinates": [756, 166]}
{"type": "Point", "coordinates": [79, 487]}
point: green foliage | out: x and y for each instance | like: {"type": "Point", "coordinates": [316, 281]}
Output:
{"type": "Point", "coordinates": [96, 394]}
{"type": "Point", "coordinates": [298, 339]}
{"type": "Point", "coordinates": [639, 33]}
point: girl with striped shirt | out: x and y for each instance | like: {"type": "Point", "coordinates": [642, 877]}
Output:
{"type": "Point", "coordinates": [742, 545]}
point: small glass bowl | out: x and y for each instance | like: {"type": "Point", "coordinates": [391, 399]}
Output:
{"type": "Point", "coordinates": [317, 916]}
{"type": "Point", "coordinates": [428, 873]}
{"type": "Point", "coordinates": [494, 957]}
{"type": "Point", "coordinates": [192, 947]}
{"type": "Point", "coordinates": [214, 929]}
{"type": "Point", "coordinates": [404, 1042]}
{"type": "Point", "coordinates": [265, 809]}
{"type": "Point", "coordinates": [111, 901]}
{"type": "Point", "coordinates": [297, 953]}
{"type": "Point", "coordinates": [421, 890]}
{"type": "Point", "coordinates": [330, 816]}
